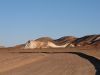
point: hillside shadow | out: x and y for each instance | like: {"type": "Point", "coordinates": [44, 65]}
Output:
{"type": "Point", "coordinates": [93, 60]}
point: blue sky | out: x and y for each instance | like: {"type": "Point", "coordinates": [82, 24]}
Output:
{"type": "Point", "coordinates": [21, 20]}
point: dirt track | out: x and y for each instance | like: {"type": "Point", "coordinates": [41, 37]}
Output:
{"type": "Point", "coordinates": [75, 63]}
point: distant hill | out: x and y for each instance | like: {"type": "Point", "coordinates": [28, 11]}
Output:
{"type": "Point", "coordinates": [2, 46]}
{"type": "Point", "coordinates": [65, 39]}
{"type": "Point", "coordinates": [45, 39]}
{"type": "Point", "coordinates": [85, 41]}
{"type": "Point", "coordinates": [60, 41]}
{"type": "Point", "coordinates": [19, 46]}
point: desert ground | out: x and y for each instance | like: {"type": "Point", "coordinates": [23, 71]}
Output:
{"type": "Point", "coordinates": [61, 61]}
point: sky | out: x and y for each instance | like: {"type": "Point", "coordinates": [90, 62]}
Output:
{"type": "Point", "coordinates": [23, 20]}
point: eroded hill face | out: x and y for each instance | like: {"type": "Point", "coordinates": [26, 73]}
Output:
{"type": "Point", "coordinates": [46, 42]}
{"type": "Point", "coordinates": [71, 41]}
{"type": "Point", "coordinates": [65, 39]}
{"type": "Point", "coordinates": [89, 40]}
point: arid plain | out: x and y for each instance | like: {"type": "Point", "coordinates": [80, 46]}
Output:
{"type": "Point", "coordinates": [61, 61]}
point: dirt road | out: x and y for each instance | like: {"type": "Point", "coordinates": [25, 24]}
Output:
{"type": "Point", "coordinates": [45, 64]}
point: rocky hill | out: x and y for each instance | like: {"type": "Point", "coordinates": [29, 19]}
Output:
{"type": "Point", "coordinates": [85, 41]}
{"type": "Point", "coordinates": [89, 40]}
{"type": "Point", "coordinates": [45, 39]}
{"type": "Point", "coordinates": [65, 39]}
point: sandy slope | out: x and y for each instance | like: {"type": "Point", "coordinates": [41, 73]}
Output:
{"type": "Point", "coordinates": [46, 64]}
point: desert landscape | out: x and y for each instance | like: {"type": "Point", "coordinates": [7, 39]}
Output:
{"type": "Point", "coordinates": [49, 37]}
{"type": "Point", "coordinates": [81, 56]}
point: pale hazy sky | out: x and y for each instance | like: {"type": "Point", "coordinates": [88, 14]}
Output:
{"type": "Point", "coordinates": [21, 20]}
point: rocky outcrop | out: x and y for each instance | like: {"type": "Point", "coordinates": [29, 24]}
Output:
{"type": "Point", "coordinates": [87, 40]}
{"type": "Point", "coordinates": [38, 43]}
{"type": "Point", "coordinates": [46, 42]}
{"type": "Point", "coordinates": [32, 44]}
